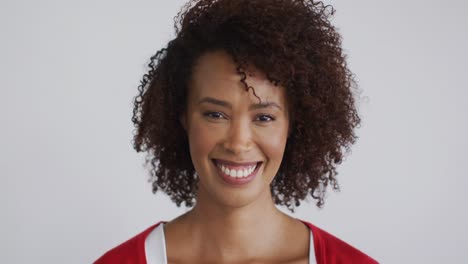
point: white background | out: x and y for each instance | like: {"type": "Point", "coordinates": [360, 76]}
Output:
{"type": "Point", "coordinates": [72, 186]}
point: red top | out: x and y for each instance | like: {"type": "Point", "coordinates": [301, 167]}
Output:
{"type": "Point", "coordinates": [328, 249]}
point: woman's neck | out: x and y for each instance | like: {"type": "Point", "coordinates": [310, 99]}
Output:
{"type": "Point", "coordinates": [220, 232]}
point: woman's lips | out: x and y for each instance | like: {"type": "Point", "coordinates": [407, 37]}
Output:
{"type": "Point", "coordinates": [224, 167]}
{"type": "Point", "coordinates": [232, 163]}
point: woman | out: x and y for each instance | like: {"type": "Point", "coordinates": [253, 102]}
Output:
{"type": "Point", "coordinates": [249, 106]}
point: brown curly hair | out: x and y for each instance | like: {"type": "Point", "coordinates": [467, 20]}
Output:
{"type": "Point", "coordinates": [295, 45]}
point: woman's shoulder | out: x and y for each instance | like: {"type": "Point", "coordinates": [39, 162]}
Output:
{"type": "Point", "coordinates": [331, 249]}
{"type": "Point", "coordinates": [130, 251]}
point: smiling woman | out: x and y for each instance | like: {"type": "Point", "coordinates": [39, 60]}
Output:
{"type": "Point", "coordinates": [250, 106]}
{"type": "Point", "coordinates": [230, 131]}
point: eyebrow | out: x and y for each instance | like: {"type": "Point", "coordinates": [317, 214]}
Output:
{"type": "Point", "coordinates": [222, 103]}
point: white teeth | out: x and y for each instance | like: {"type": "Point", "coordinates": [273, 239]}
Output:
{"type": "Point", "coordinates": [233, 173]}
{"type": "Point", "coordinates": [237, 173]}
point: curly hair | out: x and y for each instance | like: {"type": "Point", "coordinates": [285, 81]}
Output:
{"type": "Point", "coordinates": [296, 46]}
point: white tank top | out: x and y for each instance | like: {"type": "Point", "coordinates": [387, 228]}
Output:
{"type": "Point", "coordinates": [155, 247]}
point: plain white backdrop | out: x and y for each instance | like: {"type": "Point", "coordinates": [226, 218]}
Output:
{"type": "Point", "coordinates": [73, 187]}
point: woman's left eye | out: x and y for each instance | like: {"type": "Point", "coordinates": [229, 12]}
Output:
{"type": "Point", "coordinates": [214, 115]}
{"type": "Point", "coordinates": [265, 118]}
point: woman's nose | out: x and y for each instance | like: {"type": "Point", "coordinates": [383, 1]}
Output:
{"type": "Point", "coordinates": [239, 137]}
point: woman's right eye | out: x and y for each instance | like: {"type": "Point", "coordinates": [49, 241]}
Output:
{"type": "Point", "coordinates": [214, 115]}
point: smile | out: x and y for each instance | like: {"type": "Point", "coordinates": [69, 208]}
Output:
{"type": "Point", "coordinates": [237, 173]}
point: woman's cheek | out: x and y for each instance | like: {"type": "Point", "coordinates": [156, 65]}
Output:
{"type": "Point", "coordinates": [273, 142]}
{"type": "Point", "coordinates": [202, 137]}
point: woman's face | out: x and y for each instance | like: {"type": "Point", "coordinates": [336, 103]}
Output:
{"type": "Point", "coordinates": [236, 143]}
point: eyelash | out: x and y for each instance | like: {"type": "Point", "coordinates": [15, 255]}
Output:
{"type": "Point", "coordinates": [210, 115]}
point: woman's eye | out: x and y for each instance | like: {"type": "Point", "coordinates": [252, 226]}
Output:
{"type": "Point", "coordinates": [219, 115]}
{"type": "Point", "coordinates": [265, 118]}
{"type": "Point", "coordinates": [214, 115]}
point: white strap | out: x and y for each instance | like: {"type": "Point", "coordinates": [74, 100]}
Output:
{"type": "Point", "coordinates": [312, 259]}
{"type": "Point", "coordinates": [155, 246]}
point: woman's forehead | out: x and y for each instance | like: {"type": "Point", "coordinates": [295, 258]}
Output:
{"type": "Point", "coordinates": [215, 73]}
